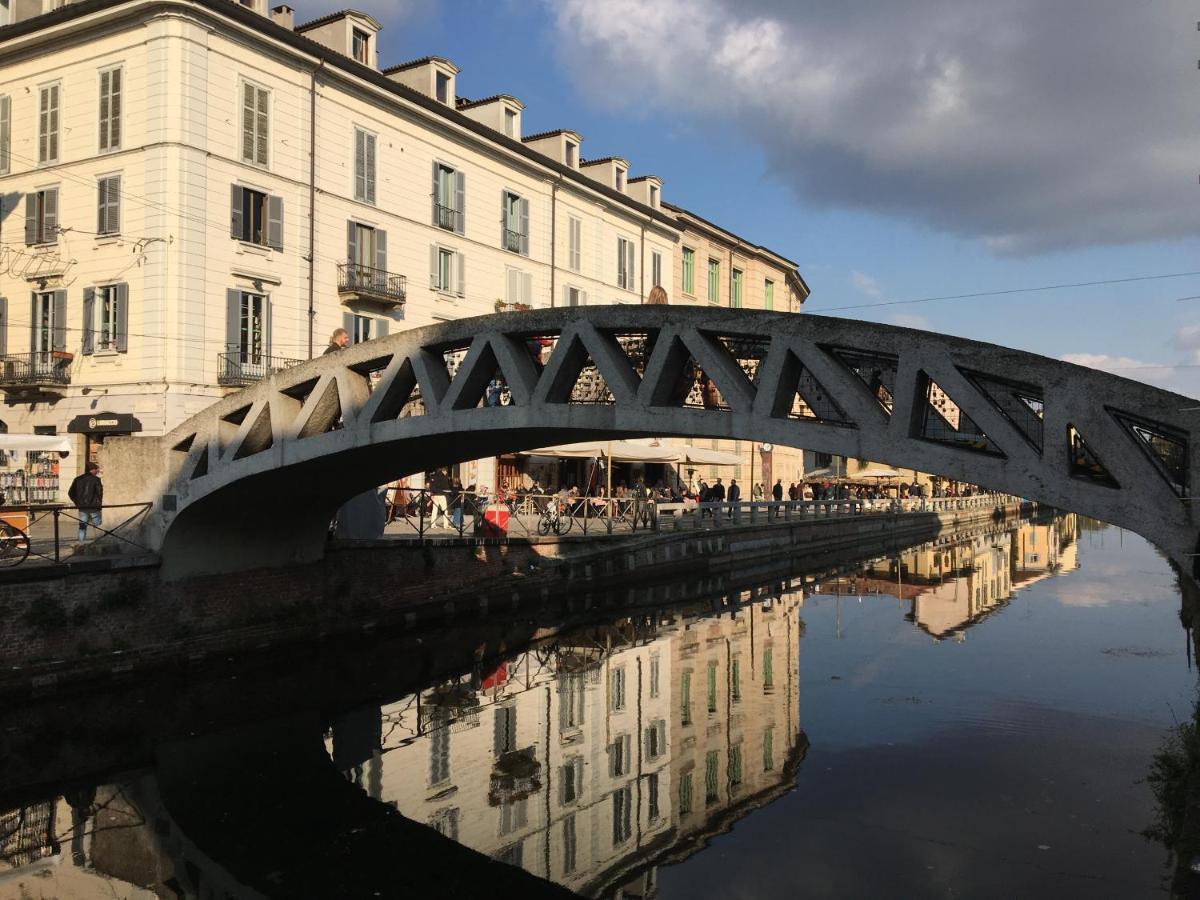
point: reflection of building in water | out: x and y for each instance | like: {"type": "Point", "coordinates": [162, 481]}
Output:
{"type": "Point", "coordinates": [588, 761]}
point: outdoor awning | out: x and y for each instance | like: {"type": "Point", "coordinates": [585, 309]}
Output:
{"type": "Point", "coordinates": [621, 451]}
{"type": "Point", "coordinates": [875, 471]}
{"type": "Point", "coordinates": [25, 443]}
{"type": "Point", "coordinates": [705, 457]}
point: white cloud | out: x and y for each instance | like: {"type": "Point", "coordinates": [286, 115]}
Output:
{"type": "Point", "coordinates": [995, 121]}
{"type": "Point", "coordinates": [1187, 340]}
{"type": "Point", "coordinates": [865, 284]}
{"type": "Point", "coordinates": [1159, 374]}
{"type": "Point", "coordinates": [911, 320]}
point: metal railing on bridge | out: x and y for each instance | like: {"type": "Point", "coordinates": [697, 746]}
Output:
{"type": "Point", "coordinates": [423, 513]}
{"type": "Point", "coordinates": [48, 533]}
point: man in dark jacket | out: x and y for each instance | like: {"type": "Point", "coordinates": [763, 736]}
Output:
{"type": "Point", "coordinates": [87, 493]}
{"type": "Point", "coordinates": [735, 491]}
{"type": "Point", "coordinates": [339, 340]}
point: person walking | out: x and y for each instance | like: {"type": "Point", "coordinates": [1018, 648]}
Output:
{"type": "Point", "coordinates": [87, 493]}
{"type": "Point", "coordinates": [735, 491]}
{"type": "Point", "coordinates": [777, 495]}
{"type": "Point", "coordinates": [339, 340]}
{"type": "Point", "coordinates": [439, 486]}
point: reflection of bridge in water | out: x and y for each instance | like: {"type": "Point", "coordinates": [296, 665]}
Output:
{"type": "Point", "coordinates": [599, 753]}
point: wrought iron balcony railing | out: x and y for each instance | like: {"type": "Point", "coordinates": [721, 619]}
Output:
{"type": "Point", "coordinates": [42, 369]}
{"type": "Point", "coordinates": [445, 217]}
{"type": "Point", "coordinates": [241, 368]}
{"type": "Point", "coordinates": [512, 241]}
{"type": "Point", "coordinates": [370, 283]}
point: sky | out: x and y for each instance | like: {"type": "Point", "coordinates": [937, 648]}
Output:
{"type": "Point", "coordinates": [895, 151]}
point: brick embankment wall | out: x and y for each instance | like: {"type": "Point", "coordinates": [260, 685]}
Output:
{"type": "Point", "coordinates": [84, 628]}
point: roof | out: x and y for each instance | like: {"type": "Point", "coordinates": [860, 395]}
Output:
{"type": "Point", "coordinates": [334, 16]}
{"type": "Point", "coordinates": [339, 62]}
{"type": "Point", "coordinates": [464, 103]}
{"type": "Point", "coordinates": [552, 133]}
{"type": "Point", "coordinates": [424, 60]}
{"type": "Point", "coordinates": [645, 178]}
{"type": "Point", "coordinates": [603, 159]}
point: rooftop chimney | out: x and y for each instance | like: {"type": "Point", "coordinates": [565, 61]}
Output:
{"type": "Point", "coordinates": [284, 15]}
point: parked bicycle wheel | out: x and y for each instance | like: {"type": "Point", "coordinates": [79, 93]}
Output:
{"type": "Point", "coordinates": [545, 523]}
{"type": "Point", "coordinates": [562, 524]}
{"type": "Point", "coordinates": [14, 545]}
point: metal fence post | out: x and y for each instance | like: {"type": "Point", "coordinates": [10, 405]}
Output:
{"type": "Point", "coordinates": [57, 542]}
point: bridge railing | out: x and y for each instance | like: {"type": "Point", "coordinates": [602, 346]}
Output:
{"type": "Point", "coordinates": [48, 534]}
{"type": "Point", "coordinates": [422, 512]}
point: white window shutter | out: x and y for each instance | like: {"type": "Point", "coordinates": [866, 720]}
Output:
{"type": "Point", "coordinates": [433, 267]}
{"type": "Point", "coordinates": [527, 288]}
{"type": "Point", "coordinates": [461, 282]}
{"type": "Point", "coordinates": [512, 288]}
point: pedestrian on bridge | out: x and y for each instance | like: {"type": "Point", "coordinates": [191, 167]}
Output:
{"type": "Point", "coordinates": [87, 493]}
{"type": "Point", "coordinates": [339, 340]}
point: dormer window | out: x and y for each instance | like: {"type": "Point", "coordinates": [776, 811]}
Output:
{"type": "Point", "coordinates": [510, 122]}
{"type": "Point", "coordinates": [442, 85]}
{"type": "Point", "coordinates": [572, 155]}
{"type": "Point", "coordinates": [653, 196]}
{"type": "Point", "coordinates": [360, 46]}
{"type": "Point", "coordinates": [620, 179]}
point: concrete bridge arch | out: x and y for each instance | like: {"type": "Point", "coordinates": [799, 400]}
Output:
{"type": "Point", "coordinates": [254, 480]}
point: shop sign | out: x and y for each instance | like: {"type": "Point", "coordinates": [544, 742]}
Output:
{"type": "Point", "coordinates": [104, 423]}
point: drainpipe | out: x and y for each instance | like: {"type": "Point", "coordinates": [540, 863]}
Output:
{"type": "Point", "coordinates": [642, 286]}
{"type": "Point", "coordinates": [553, 237]}
{"type": "Point", "coordinates": [312, 201]}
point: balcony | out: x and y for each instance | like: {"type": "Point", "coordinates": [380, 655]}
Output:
{"type": "Point", "coordinates": [445, 217]}
{"type": "Point", "coordinates": [239, 369]}
{"type": "Point", "coordinates": [512, 241]}
{"type": "Point", "coordinates": [358, 282]}
{"type": "Point", "coordinates": [45, 371]}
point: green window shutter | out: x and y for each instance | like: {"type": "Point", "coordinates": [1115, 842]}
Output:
{"type": "Point", "coordinates": [89, 320]}
{"type": "Point", "coordinates": [121, 316]}
{"type": "Point", "coordinates": [236, 220]}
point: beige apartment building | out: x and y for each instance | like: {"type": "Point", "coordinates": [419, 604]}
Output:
{"type": "Point", "coordinates": [196, 194]}
{"type": "Point", "coordinates": [716, 267]}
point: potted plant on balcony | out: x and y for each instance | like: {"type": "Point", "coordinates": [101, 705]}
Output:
{"type": "Point", "coordinates": [62, 356]}
{"type": "Point", "coordinates": [502, 306]}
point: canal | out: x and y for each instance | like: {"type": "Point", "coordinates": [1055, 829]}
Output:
{"type": "Point", "coordinates": [973, 717]}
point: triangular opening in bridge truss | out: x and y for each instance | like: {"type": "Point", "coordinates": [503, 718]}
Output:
{"type": "Point", "coordinates": [238, 416]}
{"type": "Point", "coordinates": [1164, 446]}
{"type": "Point", "coordinates": [1084, 463]}
{"type": "Point", "coordinates": [637, 346]}
{"type": "Point", "coordinates": [802, 396]}
{"type": "Point", "coordinates": [684, 383]}
{"type": "Point", "coordinates": [301, 392]}
{"type": "Point", "coordinates": [747, 352]}
{"type": "Point", "coordinates": [259, 437]}
{"type": "Point", "coordinates": [576, 377]}
{"type": "Point", "coordinates": [401, 396]}
{"type": "Point", "coordinates": [326, 414]}
{"type": "Point", "coordinates": [483, 384]}
{"type": "Point", "coordinates": [185, 446]}
{"type": "Point", "coordinates": [540, 348]}
{"type": "Point", "coordinates": [453, 355]}
{"type": "Point", "coordinates": [1020, 403]}
{"type": "Point", "coordinates": [938, 418]}
{"type": "Point", "coordinates": [876, 370]}
{"type": "Point", "coordinates": [372, 370]}
{"type": "Point", "coordinates": [201, 468]}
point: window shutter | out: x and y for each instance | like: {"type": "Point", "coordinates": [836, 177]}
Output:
{"type": "Point", "coordinates": [33, 322]}
{"type": "Point", "coordinates": [583, 298]}
{"type": "Point", "coordinates": [524, 227]}
{"type": "Point", "coordinates": [233, 320]}
{"type": "Point", "coordinates": [381, 252]}
{"type": "Point", "coordinates": [114, 110]}
{"type": "Point", "coordinates": [105, 81]}
{"type": "Point", "coordinates": [351, 243]}
{"type": "Point", "coordinates": [434, 193]}
{"type": "Point", "coordinates": [5, 133]}
{"type": "Point", "coordinates": [267, 326]}
{"type": "Point", "coordinates": [630, 281]}
{"type": "Point", "coordinates": [50, 220]}
{"type": "Point", "coordinates": [122, 317]}
{"type": "Point", "coordinates": [513, 287]}
{"type": "Point", "coordinates": [114, 205]}
{"type": "Point", "coordinates": [461, 285]}
{"type": "Point", "coordinates": [566, 297]}
{"type": "Point", "coordinates": [370, 173]}
{"type": "Point", "coordinates": [3, 326]}
{"type": "Point", "coordinates": [247, 123]}
{"type": "Point", "coordinates": [102, 206]}
{"type": "Point", "coordinates": [261, 126]}
{"type": "Point", "coordinates": [31, 218]}
{"type": "Point", "coordinates": [236, 225]}
{"type": "Point", "coordinates": [360, 164]}
{"type": "Point", "coordinates": [348, 324]}
{"type": "Point", "coordinates": [527, 288]}
{"type": "Point", "coordinates": [53, 119]}
{"type": "Point", "coordinates": [433, 267]}
{"type": "Point", "coordinates": [576, 256]}
{"type": "Point", "coordinates": [60, 320]}
{"type": "Point", "coordinates": [622, 273]}
{"type": "Point", "coordinates": [460, 202]}
{"type": "Point", "coordinates": [504, 225]}
{"type": "Point", "coordinates": [381, 327]}
{"type": "Point", "coordinates": [275, 222]}
{"type": "Point", "coordinates": [89, 320]}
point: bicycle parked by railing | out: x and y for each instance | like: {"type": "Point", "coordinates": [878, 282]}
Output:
{"type": "Point", "coordinates": [555, 517]}
{"type": "Point", "coordinates": [14, 544]}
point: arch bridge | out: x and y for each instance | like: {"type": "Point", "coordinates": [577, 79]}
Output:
{"type": "Point", "coordinates": [255, 479]}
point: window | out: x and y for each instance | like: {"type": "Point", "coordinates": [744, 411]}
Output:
{"type": "Point", "coordinates": [49, 321]}
{"type": "Point", "coordinates": [619, 757]}
{"type": "Point", "coordinates": [622, 820]}
{"type": "Point", "coordinates": [625, 264]}
{"type": "Point", "coordinates": [653, 196]}
{"type": "Point", "coordinates": [712, 687]}
{"type": "Point", "coordinates": [656, 739]}
{"type": "Point", "coordinates": [685, 794]}
{"type": "Point", "coordinates": [768, 294]}
{"type": "Point", "coordinates": [616, 697]}
{"type": "Point", "coordinates": [514, 814]}
{"type": "Point", "coordinates": [510, 122]}
{"type": "Point", "coordinates": [105, 314]}
{"type": "Point", "coordinates": [652, 797]}
{"type": "Point", "coordinates": [769, 748]}
{"type": "Point", "coordinates": [5, 134]}
{"type": "Point", "coordinates": [519, 287]}
{"type": "Point", "coordinates": [445, 823]}
{"type": "Point", "coordinates": [255, 217]}
{"type": "Point", "coordinates": [439, 754]}
{"type": "Point", "coordinates": [620, 182]}
{"type": "Point", "coordinates": [735, 289]}
{"type": "Point", "coordinates": [735, 678]}
{"type": "Point", "coordinates": [360, 329]}
{"type": "Point", "coordinates": [735, 765]}
{"type": "Point", "coordinates": [575, 244]}
{"type": "Point", "coordinates": [655, 269]}
{"type": "Point", "coordinates": [654, 676]}
{"type": "Point", "coordinates": [446, 271]}
{"type": "Point", "coordinates": [108, 205]}
{"type": "Point", "coordinates": [255, 123]}
{"type": "Point", "coordinates": [448, 198]}
{"type": "Point", "coordinates": [570, 781]}
{"type": "Point", "coordinates": [505, 730]}
{"type": "Point", "coordinates": [41, 216]}
{"type": "Point", "coordinates": [110, 110]}
{"type": "Point", "coordinates": [573, 296]}
{"type": "Point", "coordinates": [572, 692]}
{"type": "Point", "coordinates": [514, 223]}
{"type": "Point", "coordinates": [768, 670]}
{"type": "Point", "coordinates": [48, 98]}
{"type": "Point", "coordinates": [249, 338]}
{"type": "Point", "coordinates": [569, 844]}
{"type": "Point", "coordinates": [360, 46]}
{"type": "Point", "coordinates": [572, 153]}
{"type": "Point", "coordinates": [364, 166]}
{"type": "Point", "coordinates": [685, 698]}
{"type": "Point", "coordinates": [689, 270]}
{"type": "Point", "coordinates": [714, 281]}
{"type": "Point", "coordinates": [711, 764]}
{"type": "Point", "coordinates": [442, 86]}
{"type": "Point", "coordinates": [362, 245]}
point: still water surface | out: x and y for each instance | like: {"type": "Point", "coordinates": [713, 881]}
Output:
{"type": "Point", "coordinates": [970, 719]}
